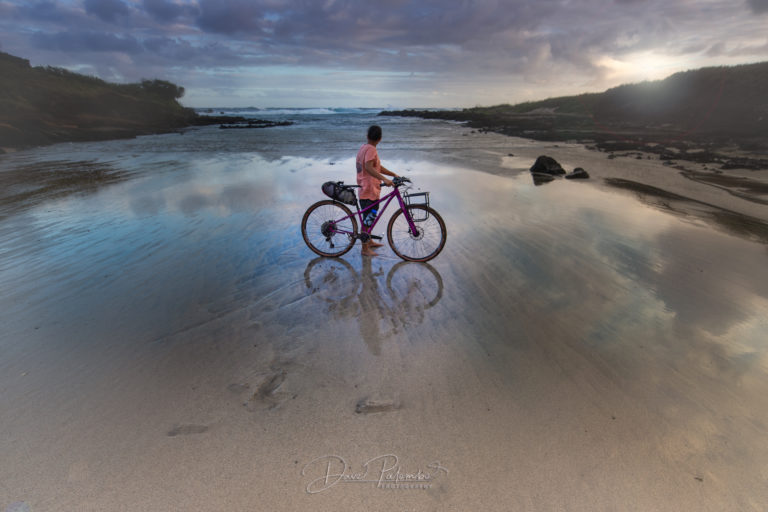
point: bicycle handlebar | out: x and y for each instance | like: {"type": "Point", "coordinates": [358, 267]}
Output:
{"type": "Point", "coordinates": [399, 181]}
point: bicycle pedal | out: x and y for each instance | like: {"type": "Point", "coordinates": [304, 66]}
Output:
{"type": "Point", "coordinates": [376, 237]}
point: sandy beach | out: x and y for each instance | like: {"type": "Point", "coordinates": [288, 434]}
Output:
{"type": "Point", "coordinates": [169, 343]}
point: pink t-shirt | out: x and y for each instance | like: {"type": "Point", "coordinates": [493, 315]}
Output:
{"type": "Point", "coordinates": [371, 187]}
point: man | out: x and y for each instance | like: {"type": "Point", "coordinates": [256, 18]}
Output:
{"type": "Point", "coordinates": [370, 175]}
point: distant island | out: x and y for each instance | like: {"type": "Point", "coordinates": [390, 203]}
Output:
{"type": "Point", "coordinates": [46, 105]}
{"type": "Point", "coordinates": [700, 110]}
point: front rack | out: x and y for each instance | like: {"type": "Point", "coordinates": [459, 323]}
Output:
{"type": "Point", "coordinates": [417, 198]}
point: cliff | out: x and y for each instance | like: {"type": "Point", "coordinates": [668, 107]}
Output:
{"type": "Point", "coordinates": [44, 105]}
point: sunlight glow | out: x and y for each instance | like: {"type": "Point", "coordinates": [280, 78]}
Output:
{"type": "Point", "coordinates": [642, 66]}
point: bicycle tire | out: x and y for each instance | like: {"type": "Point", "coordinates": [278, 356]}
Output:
{"type": "Point", "coordinates": [316, 220]}
{"type": "Point", "coordinates": [426, 244]}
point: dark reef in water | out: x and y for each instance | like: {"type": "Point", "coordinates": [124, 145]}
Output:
{"type": "Point", "coordinates": [255, 123]}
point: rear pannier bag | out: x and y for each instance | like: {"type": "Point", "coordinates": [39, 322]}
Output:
{"type": "Point", "coordinates": [339, 192]}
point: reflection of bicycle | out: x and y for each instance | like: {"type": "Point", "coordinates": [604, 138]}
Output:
{"type": "Point", "coordinates": [410, 287]}
{"type": "Point", "coordinates": [416, 232]}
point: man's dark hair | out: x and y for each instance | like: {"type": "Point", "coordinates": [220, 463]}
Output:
{"type": "Point", "coordinates": [374, 133]}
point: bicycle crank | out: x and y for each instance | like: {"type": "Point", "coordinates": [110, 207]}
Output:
{"type": "Point", "coordinates": [366, 237]}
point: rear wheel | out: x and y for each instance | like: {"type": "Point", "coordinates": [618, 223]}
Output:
{"type": "Point", "coordinates": [333, 280]}
{"type": "Point", "coordinates": [329, 228]}
{"type": "Point", "coordinates": [428, 239]}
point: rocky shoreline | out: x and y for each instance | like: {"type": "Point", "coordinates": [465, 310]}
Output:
{"type": "Point", "coordinates": [725, 151]}
{"type": "Point", "coordinates": [75, 133]}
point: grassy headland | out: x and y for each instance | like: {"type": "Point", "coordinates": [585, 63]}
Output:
{"type": "Point", "coordinates": [45, 105]}
{"type": "Point", "coordinates": [705, 108]}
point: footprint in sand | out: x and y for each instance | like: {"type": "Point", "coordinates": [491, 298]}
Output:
{"type": "Point", "coordinates": [238, 388]}
{"type": "Point", "coordinates": [265, 391]}
{"type": "Point", "coordinates": [367, 406]}
{"type": "Point", "coordinates": [185, 430]}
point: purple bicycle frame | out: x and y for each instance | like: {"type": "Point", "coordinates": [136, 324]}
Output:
{"type": "Point", "coordinates": [369, 229]}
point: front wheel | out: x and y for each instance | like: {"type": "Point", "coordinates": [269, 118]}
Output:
{"type": "Point", "coordinates": [428, 239]}
{"type": "Point", "coordinates": [329, 228]}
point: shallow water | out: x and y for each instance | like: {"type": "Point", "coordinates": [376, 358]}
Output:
{"type": "Point", "coordinates": [169, 342]}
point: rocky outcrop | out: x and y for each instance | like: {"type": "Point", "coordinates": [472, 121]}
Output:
{"type": "Point", "coordinates": [547, 165]}
{"type": "Point", "coordinates": [577, 174]}
{"type": "Point", "coordinates": [547, 169]}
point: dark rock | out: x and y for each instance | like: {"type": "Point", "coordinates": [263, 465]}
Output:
{"type": "Point", "coordinates": [206, 120]}
{"type": "Point", "coordinates": [577, 174]}
{"type": "Point", "coordinates": [547, 165]}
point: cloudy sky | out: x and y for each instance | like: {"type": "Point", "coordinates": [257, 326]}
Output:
{"type": "Point", "coordinates": [400, 53]}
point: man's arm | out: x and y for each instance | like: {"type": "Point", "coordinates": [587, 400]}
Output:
{"type": "Point", "coordinates": [379, 175]}
{"type": "Point", "coordinates": [386, 171]}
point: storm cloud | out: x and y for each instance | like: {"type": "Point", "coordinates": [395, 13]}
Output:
{"type": "Point", "coordinates": [107, 10]}
{"type": "Point", "coordinates": [166, 11]}
{"type": "Point", "coordinates": [475, 51]}
{"type": "Point", "coordinates": [86, 42]}
{"type": "Point", "coordinates": [236, 17]}
{"type": "Point", "coordinates": [759, 6]}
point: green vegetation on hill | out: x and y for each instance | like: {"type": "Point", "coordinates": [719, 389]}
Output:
{"type": "Point", "coordinates": [43, 105]}
{"type": "Point", "coordinates": [718, 100]}
{"type": "Point", "coordinates": [716, 104]}
{"type": "Point", "coordinates": [582, 104]}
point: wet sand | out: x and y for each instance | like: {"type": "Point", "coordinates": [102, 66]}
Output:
{"type": "Point", "coordinates": [169, 343]}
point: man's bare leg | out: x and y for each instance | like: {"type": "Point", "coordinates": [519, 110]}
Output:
{"type": "Point", "coordinates": [368, 250]}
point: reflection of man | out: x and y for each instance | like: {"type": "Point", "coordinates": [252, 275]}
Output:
{"type": "Point", "coordinates": [371, 309]}
{"type": "Point", "coordinates": [370, 174]}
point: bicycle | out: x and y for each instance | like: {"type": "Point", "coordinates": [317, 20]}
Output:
{"type": "Point", "coordinates": [416, 232]}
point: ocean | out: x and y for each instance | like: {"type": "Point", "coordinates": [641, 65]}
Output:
{"type": "Point", "coordinates": [338, 133]}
